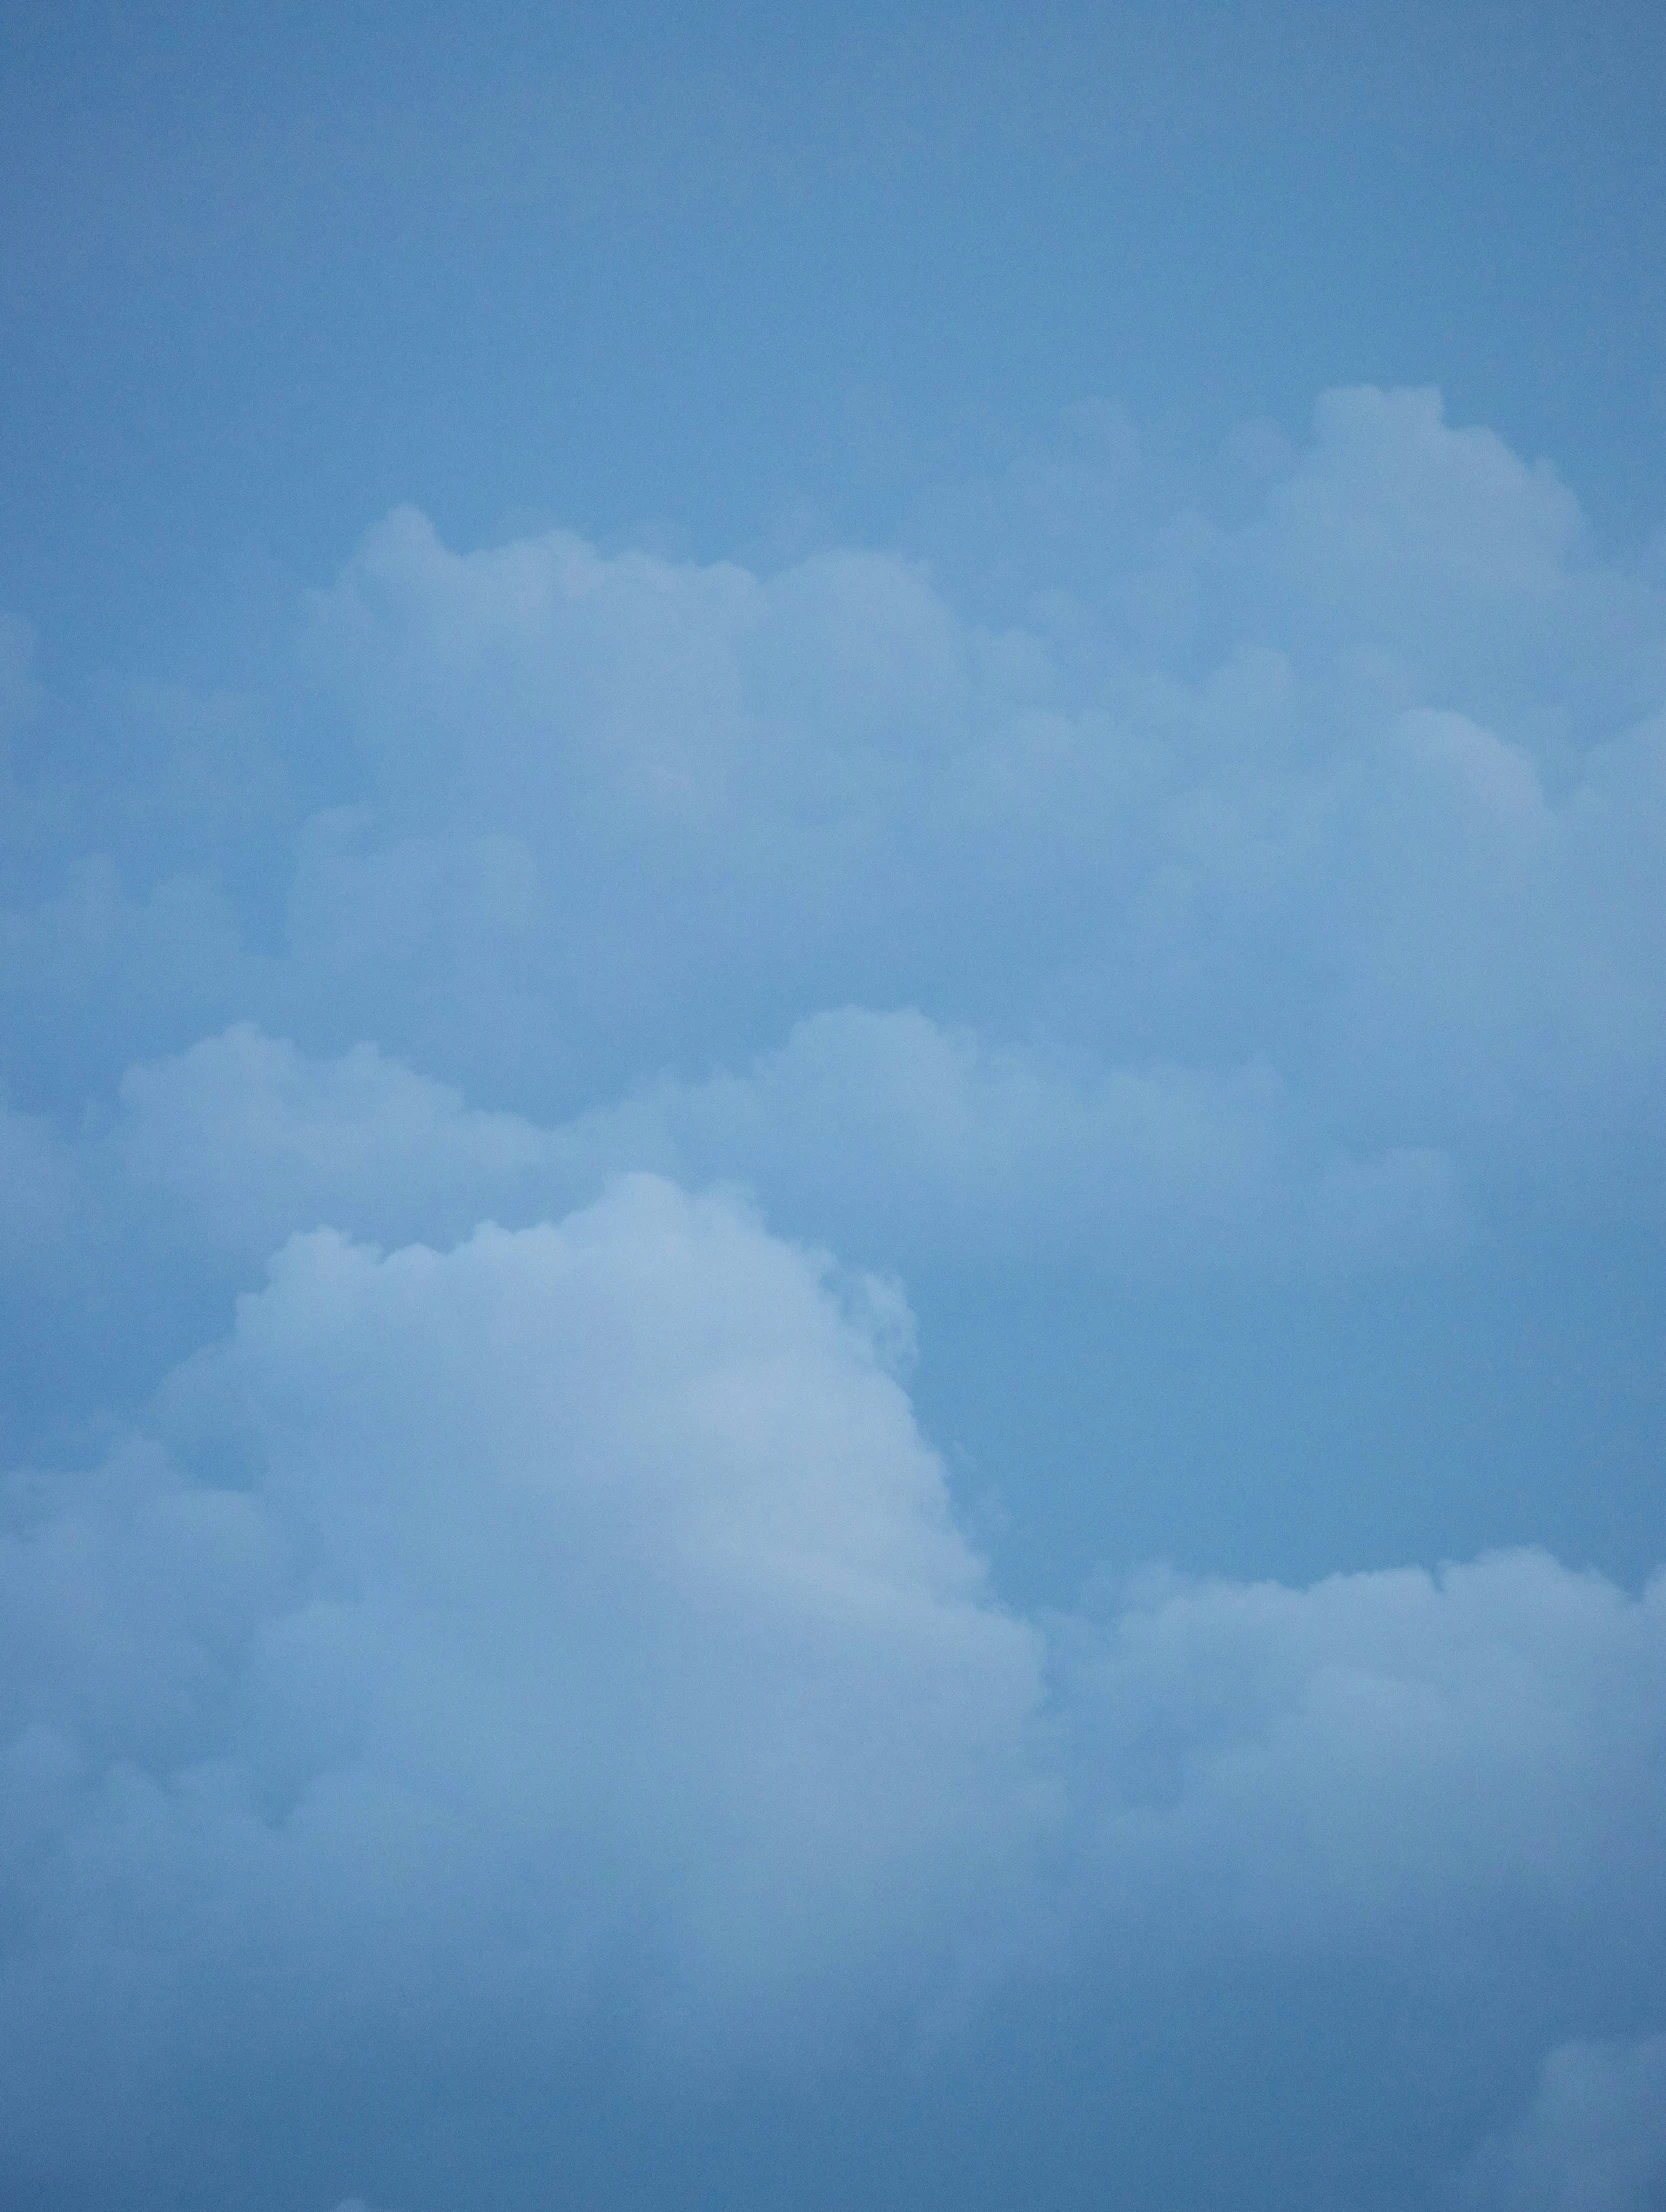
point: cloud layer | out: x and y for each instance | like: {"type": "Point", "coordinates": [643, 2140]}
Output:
{"type": "Point", "coordinates": [1593, 2140]}
{"type": "Point", "coordinates": [486, 1642]}
{"type": "Point", "coordinates": [568, 1634]}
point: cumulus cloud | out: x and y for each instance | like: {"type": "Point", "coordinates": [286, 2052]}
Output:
{"type": "Point", "coordinates": [1376, 1752]}
{"type": "Point", "coordinates": [889, 1132]}
{"type": "Point", "coordinates": [569, 1634]}
{"type": "Point", "coordinates": [537, 1645]}
{"type": "Point", "coordinates": [1593, 2140]}
{"type": "Point", "coordinates": [1384, 812]}
{"type": "Point", "coordinates": [903, 1144]}
{"type": "Point", "coordinates": [879, 1133]}
{"type": "Point", "coordinates": [583, 1623]}
{"type": "Point", "coordinates": [1473, 571]}
{"type": "Point", "coordinates": [246, 1139]}
{"type": "Point", "coordinates": [1372, 822]}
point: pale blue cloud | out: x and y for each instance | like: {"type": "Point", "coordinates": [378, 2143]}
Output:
{"type": "Point", "coordinates": [1593, 2140]}
{"type": "Point", "coordinates": [830, 1184]}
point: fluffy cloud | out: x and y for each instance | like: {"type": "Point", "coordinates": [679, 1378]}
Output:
{"type": "Point", "coordinates": [888, 1133]}
{"type": "Point", "coordinates": [572, 1620]}
{"type": "Point", "coordinates": [535, 1655]}
{"type": "Point", "coordinates": [1383, 811]}
{"type": "Point", "coordinates": [1470, 573]}
{"type": "Point", "coordinates": [1594, 2139]}
{"type": "Point", "coordinates": [1377, 1753]}
{"type": "Point", "coordinates": [245, 1139]}
{"type": "Point", "coordinates": [1390, 816]}
{"type": "Point", "coordinates": [881, 1134]}
{"type": "Point", "coordinates": [901, 1144]}
{"type": "Point", "coordinates": [570, 1631]}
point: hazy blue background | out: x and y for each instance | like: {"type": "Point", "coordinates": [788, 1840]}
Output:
{"type": "Point", "coordinates": [744, 270]}
{"type": "Point", "coordinates": [963, 712]}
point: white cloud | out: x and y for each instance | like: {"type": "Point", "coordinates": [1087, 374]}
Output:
{"type": "Point", "coordinates": [592, 1633]}
{"type": "Point", "coordinates": [882, 1134]}
{"type": "Point", "coordinates": [1593, 2140]}
{"type": "Point", "coordinates": [1363, 826]}
{"type": "Point", "coordinates": [569, 1631]}
{"type": "Point", "coordinates": [532, 1636]}
{"type": "Point", "coordinates": [1381, 1758]}
{"type": "Point", "coordinates": [1385, 818]}
{"type": "Point", "coordinates": [250, 1140]}
{"type": "Point", "coordinates": [888, 1133]}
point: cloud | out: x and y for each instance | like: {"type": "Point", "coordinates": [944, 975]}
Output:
{"type": "Point", "coordinates": [887, 1134]}
{"type": "Point", "coordinates": [1474, 570]}
{"type": "Point", "coordinates": [1593, 2140]}
{"type": "Point", "coordinates": [882, 1134]}
{"type": "Point", "coordinates": [1366, 823]}
{"type": "Point", "coordinates": [534, 1660]}
{"type": "Point", "coordinates": [246, 1140]}
{"type": "Point", "coordinates": [567, 1625]}
{"type": "Point", "coordinates": [568, 1635]}
{"type": "Point", "coordinates": [1378, 1754]}
{"type": "Point", "coordinates": [901, 1144]}
{"type": "Point", "coordinates": [1381, 813]}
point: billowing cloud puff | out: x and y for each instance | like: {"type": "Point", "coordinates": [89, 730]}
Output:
{"type": "Point", "coordinates": [1439, 548]}
{"type": "Point", "coordinates": [534, 1661]}
{"type": "Point", "coordinates": [573, 1620]}
{"type": "Point", "coordinates": [1383, 813]}
{"type": "Point", "coordinates": [568, 1634]}
{"type": "Point", "coordinates": [1391, 817]}
{"type": "Point", "coordinates": [882, 1134]}
{"type": "Point", "coordinates": [888, 1133]}
{"type": "Point", "coordinates": [901, 1144]}
{"type": "Point", "coordinates": [245, 1140]}
{"type": "Point", "coordinates": [1338, 1764]}
{"type": "Point", "coordinates": [632, 1485]}
{"type": "Point", "coordinates": [1594, 2139]}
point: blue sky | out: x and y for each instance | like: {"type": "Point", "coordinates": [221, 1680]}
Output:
{"type": "Point", "coordinates": [722, 269]}
{"type": "Point", "coordinates": [832, 852]}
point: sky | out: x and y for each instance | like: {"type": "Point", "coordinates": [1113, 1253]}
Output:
{"type": "Point", "coordinates": [832, 1199]}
